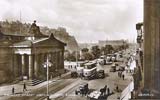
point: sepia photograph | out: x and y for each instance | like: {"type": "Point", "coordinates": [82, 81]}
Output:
{"type": "Point", "coordinates": [79, 49]}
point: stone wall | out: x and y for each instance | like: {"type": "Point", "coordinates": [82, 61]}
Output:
{"type": "Point", "coordinates": [6, 64]}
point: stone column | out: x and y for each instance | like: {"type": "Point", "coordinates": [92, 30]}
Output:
{"type": "Point", "coordinates": [30, 67]}
{"type": "Point", "coordinates": [61, 61]}
{"type": "Point", "coordinates": [36, 65]}
{"type": "Point", "coordinates": [151, 45]}
{"type": "Point", "coordinates": [147, 50]}
{"type": "Point", "coordinates": [23, 64]}
{"type": "Point", "coordinates": [56, 61]}
{"type": "Point", "coordinates": [15, 65]}
{"type": "Point", "coordinates": [62, 58]}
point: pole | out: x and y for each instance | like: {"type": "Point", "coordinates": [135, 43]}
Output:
{"type": "Point", "coordinates": [76, 58]}
{"type": "Point", "coordinates": [20, 23]}
{"type": "Point", "coordinates": [47, 77]}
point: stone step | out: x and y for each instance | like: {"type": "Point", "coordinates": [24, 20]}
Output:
{"type": "Point", "coordinates": [32, 82]}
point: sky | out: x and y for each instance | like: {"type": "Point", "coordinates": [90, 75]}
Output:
{"type": "Point", "coordinates": [86, 20]}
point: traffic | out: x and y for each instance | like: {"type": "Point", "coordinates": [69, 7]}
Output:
{"type": "Point", "coordinates": [89, 69]}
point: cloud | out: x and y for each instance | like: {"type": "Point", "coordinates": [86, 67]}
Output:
{"type": "Point", "coordinates": [99, 19]}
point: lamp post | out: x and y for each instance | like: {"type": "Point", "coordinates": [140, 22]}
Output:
{"type": "Point", "coordinates": [139, 33]}
{"type": "Point", "coordinates": [47, 64]}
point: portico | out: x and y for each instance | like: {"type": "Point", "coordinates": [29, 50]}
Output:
{"type": "Point", "coordinates": [30, 55]}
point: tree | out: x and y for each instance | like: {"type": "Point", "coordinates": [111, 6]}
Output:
{"type": "Point", "coordinates": [103, 50]}
{"type": "Point", "coordinates": [71, 56]}
{"type": "Point", "coordinates": [96, 51]}
{"type": "Point", "coordinates": [85, 50]}
{"type": "Point", "coordinates": [108, 49]}
{"type": "Point", "coordinates": [88, 56]}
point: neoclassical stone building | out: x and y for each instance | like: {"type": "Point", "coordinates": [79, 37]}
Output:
{"type": "Point", "coordinates": [24, 56]}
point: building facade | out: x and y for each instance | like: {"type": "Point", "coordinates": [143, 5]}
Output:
{"type": "Point", "coordinates": [152, 47]}
{"type": "Point", "coordinates": [24, 57]}
{"type": "Point", "coordinates": [150, 84]}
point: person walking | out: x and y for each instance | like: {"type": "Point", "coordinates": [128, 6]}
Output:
{"type": "Point", "coordinates": [105, 88]}
{"type": "Point", "coordinates": [117, 89]}
{"type": "Point", "coordinates": [12, 90]}
{"type": "Point", "coordinates": [123, 76]}
{"type": "Point", "coordinates": [24, 87]}
{"type": "Point", "coordinates": [120, 74]}
{"type": "Point", "coordinates": [108, 91]}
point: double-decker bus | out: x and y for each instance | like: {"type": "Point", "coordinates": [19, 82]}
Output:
{"type": "Point", "coordinates": [90, 70]}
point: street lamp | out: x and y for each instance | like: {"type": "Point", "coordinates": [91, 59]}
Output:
{"type": "Point", "coordinates": [47, 64]}
{"type": "Point", "coordinates": [139, 33]}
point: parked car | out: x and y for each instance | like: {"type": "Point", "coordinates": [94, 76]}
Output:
{"type": "Point", "coordinates": [109, 63]}
{"type": "Point", "coordinates": [121, 68]}
{"type": "Point", "coordinates": [100, 74]}
{"type": "Point", "coordinates": [94, 95]}
{"type": "Point", "coordinates": [74, 74]}
{"type": "Point", "coordinates": [82, 89]}
{"type": "Point", "coordinates": [113, 68]}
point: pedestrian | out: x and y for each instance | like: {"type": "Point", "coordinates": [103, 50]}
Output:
{"type": "Point", "coordinates": [117, 89]}
{"type": "Point", "coordinates": [101, 90]}
{"type": "Point", "coordinates": [108, 90]}
{"type": "Point", "coordinates": [12, 90]}
{"type": "Point", "coordinates": [120, 74]}
{"type": "Point", "coordinates": [105, 88]}
{"type": "Point", "coordinates": [123, 76]}
{"type": "Point", "coordinates": [24, 87]}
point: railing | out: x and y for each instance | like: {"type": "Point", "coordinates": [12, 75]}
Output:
{"type": "Point", "coordinates": [126, 93]}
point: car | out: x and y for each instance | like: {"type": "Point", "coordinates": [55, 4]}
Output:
{"type": "Point", "coordinates": [74, 74]}
{"type": "Point", "coordinates": [121, 68]}
{"type": "Point", "coordinates": [108, 59]}
{"type": "Point", "coordinates": [101, 61]}
{"type": "Point", "coordinates": [109, 63]}
{"type": "Point", "coordinates": [82, 89]}
{"type": "Point", "coordinates": [94, 95]}
{"type": "Point", "coordinates": [100, 74]}
{"type": "Point", "coordinates": [113, 69]}
{"type": "Point", "coordinates": [116, 64]}
{"type": "Point", "coordinates": [121, 56]}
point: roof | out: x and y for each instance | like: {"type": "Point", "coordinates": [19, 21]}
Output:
{"type": "Point", "coordinates": [23, 35]}
{"type": "Point", "coordinates": [50, 41]}
{"type": "Point", "coordinates": [27, 43]}
{"type": "Point", "coordinates": [90, 63]}
{"type": "Point", "coordinates": [5, 43]}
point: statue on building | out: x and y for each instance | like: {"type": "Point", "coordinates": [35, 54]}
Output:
{"type": "Point", "coordinates": [34, 29]}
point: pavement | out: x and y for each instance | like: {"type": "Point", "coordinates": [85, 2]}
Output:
{"type": "Point", "coordinates": [6, 90]}
{"type": "Point", "coordinates": [64, 92]}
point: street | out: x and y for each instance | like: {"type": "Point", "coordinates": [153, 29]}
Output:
{"type": "Point", "coordinates": [111, 80]}
{"type": "Point", "coordinates": [64, 88]}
